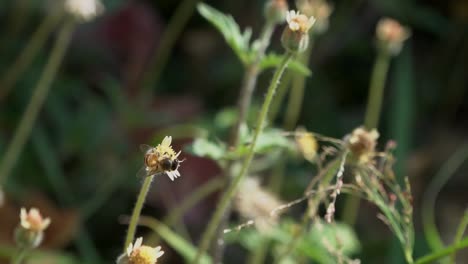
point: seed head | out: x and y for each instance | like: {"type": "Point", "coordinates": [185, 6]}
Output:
{"type": "Point", "coordinates": [391, 35]}
{"type": "Point", "coordinates": [362, 143]}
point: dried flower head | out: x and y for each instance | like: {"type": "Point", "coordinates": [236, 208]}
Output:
{"type": "Point", "coordinates": [362, 143]}
{"type": "Point", "coordinates": [275, 11]}
{"type": "Point", "coordinates": [319, 9]}
{"type": "Point", "coordinates": [254, 202]}
{"type": "Point", "coordinates": [295, 37]}
{"type": "Point", "coordinates": [33, 220]}
{"type": "Point", "coordinates": [84, 10]}
{"type": "Point", "coordinates": [140, 254]}
{"type": "Point", "coordinates": [391, 35]}
{"type": "Point", "coordinates": [307, 144]}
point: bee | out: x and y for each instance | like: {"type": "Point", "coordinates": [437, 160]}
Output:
{"type": "Point", "coordinates": [160, 159]}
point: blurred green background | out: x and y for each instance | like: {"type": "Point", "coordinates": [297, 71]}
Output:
{"type": "Point", "coordinates": [79, 163]}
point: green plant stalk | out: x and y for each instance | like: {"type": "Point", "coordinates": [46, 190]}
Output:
{"type": "Point", "coordinates": [374, 105]}
{"type": "Point", "coordinates": [277, 102]}
{"type": "Point", "coordinates": [172, 32]}
{"type": "Point", "coordinates": [296, 94]}
{"type": "Point", "coordinates": [40, 93]}
{"type": "Point", "coordinates": [431, 258]}
{"type": "Point", "coordinates": [137, 211]}
{"type": "Point", "coordinates": [459, 234]}
{"type": "Point", "coordinates": [428, 207]}
{"type": "Point", "coordinates": [250, 80]}
{"type": "Point", "coordinates": [28, 54]}
{"type": "Point", "coordinates": [227, 196]}
{"type": "Point", "coordinates": [18, 259]}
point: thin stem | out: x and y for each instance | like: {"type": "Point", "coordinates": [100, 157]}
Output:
{"type": "Point", "coordinates": [374, 105]}
{"type": "Point", "coordinates": [18, 259]}
{"type": "Point", "coordinates": [28, 54]}
{"type": "Point", "coordinates": [459, 234]}
{"type": "Point", "coordinates": [227, 197]}
{"type": "Point", "coordinates": [428, 207]}
{"type": "Point", "coordinates": [172, 32]}
{"type": "Point", "coordinates": [40, 93]}
{"type": "Point", "coordinates": [250, 81]}
{"type": "Point", "coordinates": [296, 94]}
{"type": "Point", "coordinates": [137, 211]}
{"type": "Point", "coordinates": [443, 252]}
{"type": "Point", "coordinates": [278, 101]}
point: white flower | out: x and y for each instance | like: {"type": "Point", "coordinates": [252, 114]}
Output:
{"type": "Point", "coordinates": [84, 10]}
{"type": "Point", "coordinates": [33, 220]}
{"type": "Point", "coordinates": [299, 22]}
{"type": "Point", "coordinates": [141, 254]}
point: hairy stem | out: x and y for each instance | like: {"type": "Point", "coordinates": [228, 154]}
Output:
{"type": "Point", "coordinates": [40, 93]}
{"type": "Point", "coordinates": [18, 259]}
{"type": "Point", "coordinates": [227, 196]}
{"type": "Point", "coordinates": [374, 107]}
{"type": "Point", "coordinates": [28, 54]}
{"type": "Point", "coordinates": [137, 211]}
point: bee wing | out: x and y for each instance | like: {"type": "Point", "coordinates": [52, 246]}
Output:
{"type": "Point", "coordinates": [144, 148]}
{"type": "Point", "coordinates": [143, 172]}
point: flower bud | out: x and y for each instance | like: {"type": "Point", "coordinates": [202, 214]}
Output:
{"type": "Point", "coordinates": [295, 37]}
{"type": "Point", "coordinates": [391, 35]}
{"type": "Point", "coordinates": [275, 11]}
{"type": "Point", "coordinates": [30, 232]}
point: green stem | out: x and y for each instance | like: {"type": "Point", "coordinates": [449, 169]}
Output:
{"type": "Point", "coordinates": [459, 234]}
{"type": "Point", "coordinates": [443, 252]}
{"type": "Point", "coordinates": [227, 196]}
{"type": "Point", "coordinates": [249, 82]}
{"type": "Point", "coordinates": [137, 211]}
{"type": "Point", "coordinates": [28, 54]}
{"type": "Point", "coordinates": [278, 101]}
{"type": "Point", "coordinates": [40, 93]}
{"type": "Point", "coordinates": [428, 207]}
{"type": "Point", "coordinates": [18, 259]}
{"type": "Point", "coordinates": [296, 94]}
{"type": "Point", "coordinates": [172, 32]}
{"type": "Point", "coordinates": [374, 107]}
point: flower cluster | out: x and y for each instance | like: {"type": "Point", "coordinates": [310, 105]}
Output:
{"type": "Point", "coordinates": [295, 37]}
{"type": "Point", "coordinates": [140, 254]}
{"type": "Point", "coordinates": [391, 35]}
{"type": "Point", "coordinates": [30, 232]}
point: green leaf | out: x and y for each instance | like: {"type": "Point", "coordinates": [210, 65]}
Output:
{"type": "Point", "coordinates": [204, 148]}
{"type": "Point", "coordinates": [179, 244]}
{"type": "Point", "coordinates": [272, 60]}
{"type": "Point", "coordinates": [339, 236]}
{"type": "Point", "coordinates": [230, 30]}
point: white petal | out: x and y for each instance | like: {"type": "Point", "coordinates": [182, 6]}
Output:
{"type": "Point", "coordinates": [169, 173]}
{"type": "Point", "coordinates": [45, 223]}
{"type": "Point", "coordinates": [166, 141]}
{"type": "Point", "coordinates": [138, 242]}
{"type": "Point", "coordinates": [177, 155]}
{"type": "Point", "coordinates": [129, 249]}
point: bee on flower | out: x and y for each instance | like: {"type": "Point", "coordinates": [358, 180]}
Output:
{"type": "Point", "coordinates": [140, 254]}
{"type": "Point", "coordinates": [295, 37]}
{"type": "Point", "coordinates": [30, 232]}
{"type": "Point", "coordinates": [160, 159]}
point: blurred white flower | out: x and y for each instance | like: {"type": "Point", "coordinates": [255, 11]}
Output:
{"type": "Point", "coordinates": [84, 10]}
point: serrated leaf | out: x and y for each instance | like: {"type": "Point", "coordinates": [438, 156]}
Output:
{"type": "Point", "coordinates": [230, 30]}
{"type": "Point", "coordinates": [204, 148]}
{"type": "Point", "coordinates": [273, 60]}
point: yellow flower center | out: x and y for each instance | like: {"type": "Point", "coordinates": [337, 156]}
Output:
{"type": "Point", "coordinates": [144, 255]}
